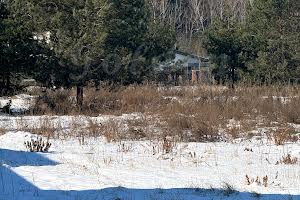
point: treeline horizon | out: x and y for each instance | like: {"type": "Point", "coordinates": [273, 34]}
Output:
{"type": "Point", "coordinates": [71, 43]}
{"type": "Point", "coordinates": [253, 41]}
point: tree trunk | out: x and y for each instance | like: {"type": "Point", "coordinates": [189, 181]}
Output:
{"type": "Point", "coordinates": [232, 78]}
{"type": "Point", "coordinates": [79, 96]}
{"type": "Point", "coordinates": [7, 84]}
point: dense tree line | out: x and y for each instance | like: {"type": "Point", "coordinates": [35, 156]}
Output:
{"type": "Point", "coordinates": [71, 43]}
{"type": "Point", "coordinates": [19, 51]}
{"type": "Point", "coordinates": [83, 41]}
{"type": "Point", "coordinates": [253, 40]}
{"type": "Point", "coordinates": [263, 49]}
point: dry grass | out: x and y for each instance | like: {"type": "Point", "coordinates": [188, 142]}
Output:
{"type": "Point", "coordinates": [58, 102]}
{"type": "Point", "coordinates": [93, 128]}
{"type": "Point", "coordinates": [104, 101]}
{"type": "Point", "coordinates": [43, 127]}
{"type": "Point", "coordinates": [190, 113]}
{"type": "Point", "coordinates": [168, 145]}
{"type": "Point", "coordinates": [111, 131]}
{"type": "Point", "coordinates": [2, 131]}
{"type": "Point", "coordinates": [288, 160]}
{"type": "Point", "coordinates": [140, 99]}
{"type": "Point", "coordinates": [291, 111]}
{"type": "Point", "coordinates": [284, 135]}
{"type": "Point", "coordinates": [125, 148]}
{"type": "Point", "coordinates": [130, 129]}
{"type": "Point", "coordinates": [258, 180]}
{"type": "Point", "coordinates": [139, 129]}
{"type": "Point", "coordinates": [228, 189]}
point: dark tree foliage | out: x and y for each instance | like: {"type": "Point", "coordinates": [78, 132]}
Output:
{"type": "Point", "coordinates": [97, 40]}
{"type": "Point", "coordinates": [76, 39]}
{"type": "Point", "coordinates": [134, 41]}
{"type": "Point", "coordinates": [230, 49]}
{"type": "Point", "coordinates": [73, 42]}
{"type": "Point", "coordinates": [19, 51]}
{"type": "Point", "coordinates": [275, 23]}
{"type": "Point", "coordinates": [264, 49]}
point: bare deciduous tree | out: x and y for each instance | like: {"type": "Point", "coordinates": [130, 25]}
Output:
{"type": "Point", "coordinates": [190, 17]}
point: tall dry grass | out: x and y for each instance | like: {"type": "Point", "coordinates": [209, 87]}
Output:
{"type": "Point", "coordinates": [190, 113]}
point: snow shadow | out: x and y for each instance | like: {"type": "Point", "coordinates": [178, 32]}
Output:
{"type": "Point", "coordinates": [121, 193]}
{"type": "Point", "coordinates": [21, 158]}
{"type": "Point", "coordinates": [15, 187]}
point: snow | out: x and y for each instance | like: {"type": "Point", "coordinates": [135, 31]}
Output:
{"type": "Point", "coordinates": [130, 170]}
{"type": "Point", "coordinates": [140, 170]}
{"type": "Point", "coordinates": [60, 122]}
{"type": "Point", "coordinates": [19, 103]}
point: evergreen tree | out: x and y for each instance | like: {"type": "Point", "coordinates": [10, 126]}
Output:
{"type": "Point", "coordinates": [19, 50]}
{"type": "Point", "coordinates": [230, 48]}
{"type": "Point", "coordinates": [94, 40]}
{"type": "Point", "coordinates": [76, 36]}
{"type": "Point", "coordinates": [135, 41]}
{"type": "Point", "coordinates": [275, 23]}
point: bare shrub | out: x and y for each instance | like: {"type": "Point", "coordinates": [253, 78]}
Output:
{"type": "Point", "coordinates": [93, 128]}
{"type": "Point", "coordinates": [3, 131]}
{"type": "Point", "coordinates": [228, 189]}
{"type": "Point", "coordinates": [37, 145]}
{"type": "Point", "coordinates": [291, 110]}
{"type": "Point", "coordinates": [168, 145]}
{"type": "Point", "coordinates": [111, 131]}
{"type": "Point", "coordinates": [43, 127]}
{"type": "Point", "coordinates": [105, 100]}
{"type": "Point", "coordinates": [284, 135]}
{"type": "Point", "coordinates": [287, 160]}
{"type": "Point", "coordinates": [54, 102]}
{"type": "Point", "coordinates": [140, 99]}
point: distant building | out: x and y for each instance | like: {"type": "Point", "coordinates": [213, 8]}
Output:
{"type": "Point", "coordinates": [195, 67]}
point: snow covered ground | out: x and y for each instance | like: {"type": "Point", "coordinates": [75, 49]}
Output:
{"type": "Point", "coordinates": [140, 170]}
{"type": "Point", "coordinates": [19, 103]}
{"type": "Point", "coordinates": [130, 170]}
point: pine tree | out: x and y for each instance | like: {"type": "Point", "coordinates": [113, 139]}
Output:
{"type": "Point", "coordinates": [275, 23]}
{"type": "Point", "coordinates": [77, 38]}
{"type": "Point", "coordinates": [135, 41]}
{"type": "Point", "coordinates": [19, 50]}
{"type": "Point", "coordinates": [96, 40]}
{"type": "Point", "coordinates": [230, 48]}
